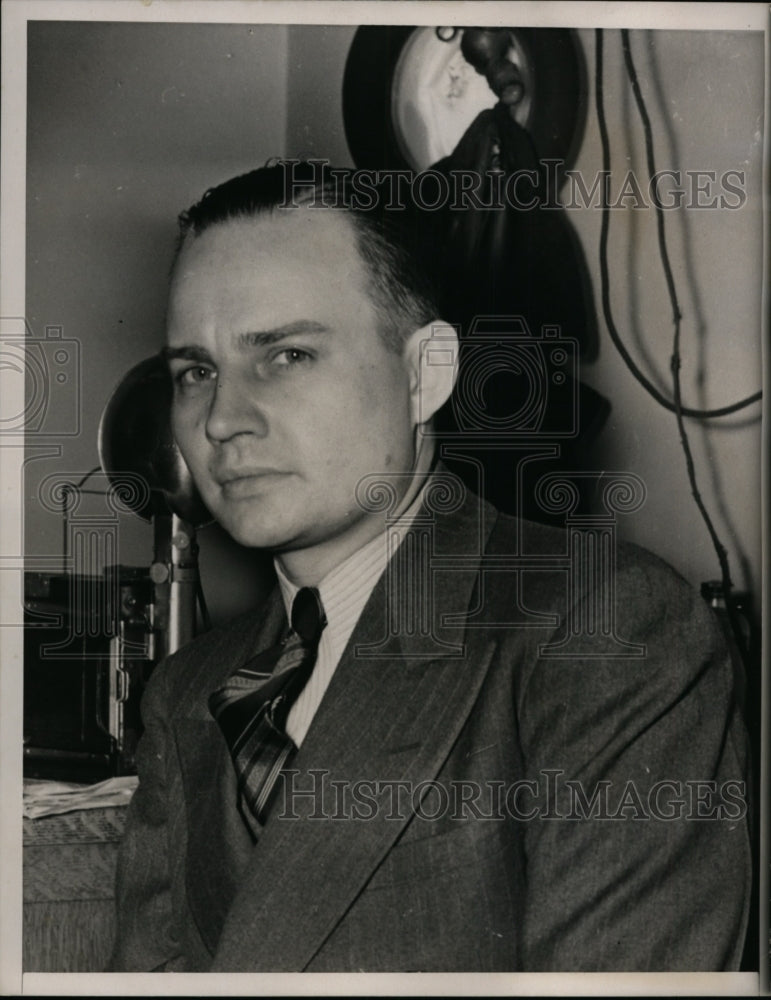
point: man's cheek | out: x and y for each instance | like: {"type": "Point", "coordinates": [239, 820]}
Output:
{"type": "Point", "coordinates": [180, 433]}
{"type": "Point", "coordinates": [185, 437]}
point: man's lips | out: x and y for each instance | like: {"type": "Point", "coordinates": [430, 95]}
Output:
{"type": "Point", "coordinates": [230, 476]}
{"type": "Point", "coordinates": [246, 481]}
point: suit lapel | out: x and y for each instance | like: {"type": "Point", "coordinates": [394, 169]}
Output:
{"type": "Point", "coordinates": [219, 845]}
{"type": "Point", "coordinates": [385, 719]}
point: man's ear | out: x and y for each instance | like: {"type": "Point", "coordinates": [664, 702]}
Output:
{"type": "Point", "coordinates": [431, 356]}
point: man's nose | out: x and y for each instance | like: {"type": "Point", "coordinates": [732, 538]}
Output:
{"type": "Point", "coordinates": [233, 410]}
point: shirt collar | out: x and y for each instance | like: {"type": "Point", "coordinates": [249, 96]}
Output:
{"type": "Point", "coordinates": [345, 589]}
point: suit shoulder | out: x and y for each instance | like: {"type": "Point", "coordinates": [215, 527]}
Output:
{"type": "Point", "coordinates": [639, 575]}
{"type": "Point", "coordinates": [654, 591]}
{"type": "Point", "coordinates": [648, 602]}
{"type": "Point", "coordinates": [516, 534]}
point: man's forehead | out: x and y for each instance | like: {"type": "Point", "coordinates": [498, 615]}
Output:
{"type": "Point", "coordinates": [269, 269]}
{"type": "Point", "coordinates": [304, 229]}
{"type": "Point", "coordinates": [269, 251]}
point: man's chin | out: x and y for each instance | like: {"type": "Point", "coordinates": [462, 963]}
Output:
{"type": "Point", "coordinates": [284, 534]}
{"type": "Point", "coordinates": [257, 537]}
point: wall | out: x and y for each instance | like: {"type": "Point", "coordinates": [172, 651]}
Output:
{"type": "Point", "coordinates": [315, 126]}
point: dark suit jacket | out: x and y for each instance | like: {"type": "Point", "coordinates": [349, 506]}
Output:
{"type": "Point", "coordinates": [539, 882]}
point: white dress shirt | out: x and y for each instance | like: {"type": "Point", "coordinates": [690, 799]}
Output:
{"type": "Point", "coordinates": [344, 591]}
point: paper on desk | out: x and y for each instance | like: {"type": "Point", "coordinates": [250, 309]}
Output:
{"type": "Point", "coordinates": [49, 798]}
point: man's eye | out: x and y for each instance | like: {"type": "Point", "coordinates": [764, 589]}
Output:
{"type": "Point", "coordinates": [291, 356]}
{"type": "Point", "coordinates": [195, 375]}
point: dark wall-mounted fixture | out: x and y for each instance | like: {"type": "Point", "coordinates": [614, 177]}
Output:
{"type": "Point", "coordinates": [410, 93]}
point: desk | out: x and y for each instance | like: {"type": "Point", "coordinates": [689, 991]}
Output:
{"type": "Point", "coordinates": [69, 877]}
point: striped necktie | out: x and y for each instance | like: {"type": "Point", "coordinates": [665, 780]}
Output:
{"type": "Point", "coordinates": [252, 707]}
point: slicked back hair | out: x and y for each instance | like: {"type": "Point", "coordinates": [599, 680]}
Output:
{"type": "Point", "coordinates": [393, 244]}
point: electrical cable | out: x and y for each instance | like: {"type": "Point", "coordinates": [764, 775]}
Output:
{"type": "Point", "coordinates": [88, 475]}
{"type": "Point", "coordinates": [675, 362]}
{"type": "Point", "coordinates": [686, 411]}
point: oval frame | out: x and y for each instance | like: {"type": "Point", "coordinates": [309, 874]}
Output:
{"type": "Point", "coordinates": [555, 123]}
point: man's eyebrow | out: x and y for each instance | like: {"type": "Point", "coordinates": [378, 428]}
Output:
{"type": "Point", "coordinates": [187, 353]}
{"type": "Point", "coordinates": [262, 338]}
{"type": "Point", "coordinates": [258, 338]}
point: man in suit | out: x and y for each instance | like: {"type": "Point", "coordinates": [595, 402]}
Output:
{"type": "Point", "coordinates": [472, 778]}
